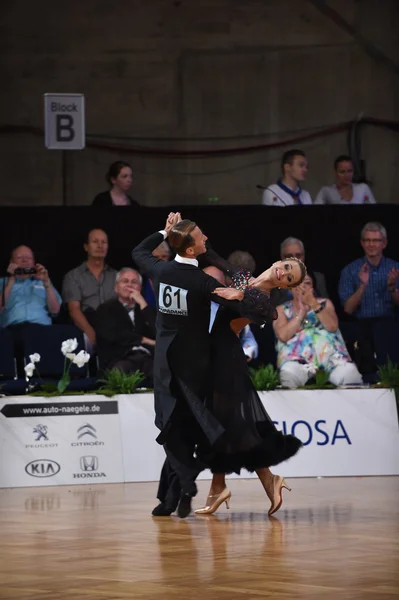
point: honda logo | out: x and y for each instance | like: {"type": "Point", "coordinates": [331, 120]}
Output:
{"type": "Point", "coordinates": [89, 463]}
{"type": "Point", "coordinates": [89, 466]}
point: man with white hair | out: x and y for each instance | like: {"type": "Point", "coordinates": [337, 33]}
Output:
{"type": "Point", "coordinates": [125, 327]}
{"type": "Point", "coordinates": [369, 290]}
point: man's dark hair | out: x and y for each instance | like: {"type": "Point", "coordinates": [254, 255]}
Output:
{"type": "Point", "coordinates": [288, 157]}
{"type": "Point", "coordinates": [180, 237]}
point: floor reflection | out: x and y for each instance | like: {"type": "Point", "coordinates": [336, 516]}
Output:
{"type": "Point", "coordinates": [89, 499]}
{"type": "Point", "coordinates": [210, 546]}
{"type": "Point", "coordinates": [337, 513]}
{"type": "Point", "coordinates": [45, 501]}
{"type": "Point", "coordinates": [42, 503]}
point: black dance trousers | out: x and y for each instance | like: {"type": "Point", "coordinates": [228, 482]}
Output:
{"type": "Point", "coordinates": [180, 446]}
{"type": "Point", "coordinates": [182, 436]}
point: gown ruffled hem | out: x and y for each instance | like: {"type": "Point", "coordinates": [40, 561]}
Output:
{"type": "Point", "coordinates": [274, 449]}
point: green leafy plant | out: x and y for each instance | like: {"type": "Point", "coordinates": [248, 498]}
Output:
{"type": "Point", "coordinates": [320, 382]}
{"type": "Point", "coordinates": [389, 378]}
{"type": "Point", "coordinates": [265, 378]}
{"type": "Point", "coordinates": [321, 378]}
{"type": "Point", "coordinates": [117, 382]}
{"type": "Point", "coordinates": [389, 375]}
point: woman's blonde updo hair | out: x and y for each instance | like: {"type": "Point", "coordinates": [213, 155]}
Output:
{"type": "Point", "coordinates": [303, 270]}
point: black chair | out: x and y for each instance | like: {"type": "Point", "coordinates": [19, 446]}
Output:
{"type": "Point", "coordinates": [9, 383]}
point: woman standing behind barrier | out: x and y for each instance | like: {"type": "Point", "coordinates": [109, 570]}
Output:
{"type": "Point", "coordinates": [119, 178]}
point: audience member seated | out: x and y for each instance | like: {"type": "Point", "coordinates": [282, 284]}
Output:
{"type": "Point", "coordinates": [242, 260]}
{"type": "Point", "coordinates": [27, 294]}
{"type": "Point", "coordinates": [125, 328]}
{"type": "Point", "coordinates": [308, 339]}
{"type": "Point", "coordinates": [162, 252]}
{"type": "Point", "coordinates": [344, 191]}
{"type": "Point", "coordinates": [119, 178]}
{"type": "Point", "coordinates": [89, 285]}
{"type": "Point", "coordinates": [27, 297]}
{"type": "Point", "coordinates": [369, 290]}
{"type": "Point", "coordinates": [287, 190]}
{"type": "Point", "coordinates": [293, 247]}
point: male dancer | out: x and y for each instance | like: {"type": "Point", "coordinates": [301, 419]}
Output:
{"type": "Point", "coordinates": [182, 353]}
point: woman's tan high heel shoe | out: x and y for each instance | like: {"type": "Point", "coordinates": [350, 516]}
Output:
{"type": "Point", "coordinates": [214, 501]}
{"type": "Point", "coordinates": [277, 495]}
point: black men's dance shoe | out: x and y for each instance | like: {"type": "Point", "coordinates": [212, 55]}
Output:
{"type": "Point", "coordinates": [163, 510]}
{"type": "Point", "coordinates": [184, 507]}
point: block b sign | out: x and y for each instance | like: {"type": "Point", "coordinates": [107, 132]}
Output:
{"type": "Point", "coordinates": [64, 121]}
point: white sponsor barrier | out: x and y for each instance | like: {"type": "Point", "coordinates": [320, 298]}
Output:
{"type": "Point", "coordinates": [92, 439]}
{"type": "Point", "coordinates": [345, 432]}
{"type": "Point", "coordinates": [59, 441]}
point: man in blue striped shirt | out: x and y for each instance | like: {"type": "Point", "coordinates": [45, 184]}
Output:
{"type": "Point", "coordinates": [369, 287]}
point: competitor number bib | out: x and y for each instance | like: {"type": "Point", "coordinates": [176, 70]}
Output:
{"type": "Point", "coordinates": [172, 300]}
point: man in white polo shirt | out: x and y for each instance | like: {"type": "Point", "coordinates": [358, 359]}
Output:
{"type": "Point", "coordinates": [287, 190]}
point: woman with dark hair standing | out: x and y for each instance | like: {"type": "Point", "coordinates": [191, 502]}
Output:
{"type": "Point", "coordinates": [119, 178]}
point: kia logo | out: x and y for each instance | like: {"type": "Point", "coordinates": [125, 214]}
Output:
{"type": "Point", "coordinates": [87, 430]}
{"type": "Point", "coordinates": [42, 468]}
{"type": "Point", "coordinates": [89, 463]}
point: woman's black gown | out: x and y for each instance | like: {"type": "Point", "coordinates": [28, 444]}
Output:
{"type": "Point", "coordinates": [251, 440]}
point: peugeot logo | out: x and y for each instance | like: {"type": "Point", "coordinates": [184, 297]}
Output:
{"type": "Point", "coordinates": [89, 463]}
{"type": "Point", "coordinates": [87, 430]}
{"type": "Point", "coordinates": [41, 432]}
{"type": "Point", "coordinates": [42, 468]}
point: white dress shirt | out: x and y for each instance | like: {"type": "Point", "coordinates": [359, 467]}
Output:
{"type": "Point", "coordinates": [275, 196]}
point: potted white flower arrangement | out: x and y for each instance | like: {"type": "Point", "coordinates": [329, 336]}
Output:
{"type": "Point", "coordinates": [68, 348]}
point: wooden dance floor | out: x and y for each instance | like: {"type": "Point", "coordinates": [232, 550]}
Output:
{"type": "Point", "coordinates": [332, 539]}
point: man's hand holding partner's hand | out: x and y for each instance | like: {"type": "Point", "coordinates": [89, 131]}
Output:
{"type": "Point", "coordinates": [171, 221]}
{"type": "Point", "coordinates": [229, 293]}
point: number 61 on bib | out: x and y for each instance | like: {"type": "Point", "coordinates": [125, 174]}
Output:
{"type": "Point", "coordinates": [172, 300]}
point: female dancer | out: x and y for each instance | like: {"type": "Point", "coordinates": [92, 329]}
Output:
{"type": "Point", "coordinates": [251, 440]}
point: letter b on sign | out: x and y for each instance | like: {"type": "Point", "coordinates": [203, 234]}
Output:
{"type": "Point", "coordinates": [64, 119]}
{"type": "Point", "coordinates": [64, 128]}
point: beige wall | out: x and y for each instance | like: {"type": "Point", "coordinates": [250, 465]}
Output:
{"type": "Point", "coordinates": [247, 72]}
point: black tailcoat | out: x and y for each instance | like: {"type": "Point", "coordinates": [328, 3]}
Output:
{"type": "Point", "coordinates": [182, 352]}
